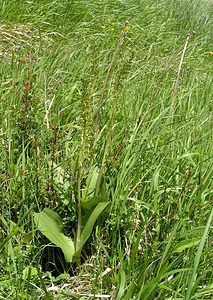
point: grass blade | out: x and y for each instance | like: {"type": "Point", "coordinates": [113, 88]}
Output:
{"type": "Point", "coordinates": [197, 258]}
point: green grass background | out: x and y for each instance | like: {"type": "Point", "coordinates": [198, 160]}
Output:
{"type": "Point", "coordinates": [155, 239]}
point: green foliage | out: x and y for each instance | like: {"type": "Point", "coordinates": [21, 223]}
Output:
{"type": "Point", "coordinates": [154, 240]}
{"type": "Point", "coordinates": [49, 223]}
{"type": "Point", "coordinates": [87, 230]}
{"type": "Point", "coordinates": [193, 279]}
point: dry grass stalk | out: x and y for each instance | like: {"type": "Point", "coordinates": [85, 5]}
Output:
{"type": "Point", "coordinates": [175, 86]}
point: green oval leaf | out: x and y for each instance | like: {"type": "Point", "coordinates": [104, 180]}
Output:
{"type": "Point", "coordinates": [50, 224]}
{"type": "Point", "coordinates": [92, 202]}
{"type": "Point", "coordinates": [91, 222]}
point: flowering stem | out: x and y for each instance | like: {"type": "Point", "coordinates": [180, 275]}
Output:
{"type": "Point", "coordinates": [123, 33]}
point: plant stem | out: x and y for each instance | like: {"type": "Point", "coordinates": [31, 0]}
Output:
{"type": "Point", "coordinates": [175, 86]}
{"type": "Point", "coordinates": [78, 234]}
{"type": "Point", "coordinates": [123, 33]}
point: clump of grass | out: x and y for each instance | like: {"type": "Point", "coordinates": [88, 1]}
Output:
{"type": "Point", "coordinates": [155, 240]}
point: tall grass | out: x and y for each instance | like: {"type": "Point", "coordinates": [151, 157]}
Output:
{"type": "Point", "coordinates": [154, 241]}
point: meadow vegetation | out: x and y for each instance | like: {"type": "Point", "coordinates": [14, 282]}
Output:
{"type": "Point", "coordinates": [147, 132]}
